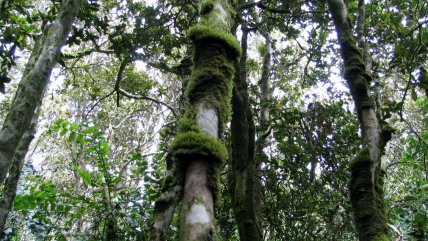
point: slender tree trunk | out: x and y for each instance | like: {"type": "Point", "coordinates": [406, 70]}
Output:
{"type": "Point", "coordinates": [244, 166]}
{"type": "Point", "coordinates": [33, 84]}
{"type": "Point", "coordinates": [165, 205]}
{"type": "Point", "coordinates": [171, 191]}
{"type": "Point", "coordinates": [11, 182]}
{"type": "Point", "coordinates": [264, 128]}
{"type": "Point", "coordinates": [366, 185]}
{"type": "Point", "coordinates": [197, 149]}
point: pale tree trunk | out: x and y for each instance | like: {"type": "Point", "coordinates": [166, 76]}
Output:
{"type": "Point", "coordinates": [246, 200]}
{"type": "Point", "coordinates": [11, 182]}
{"type": "Point", "coordinates": [33, 84]}
{"type": "Point", "coordinates": [264, 129]}
{"type": "Point", "coordinates": [197, 149]}
{"type": "Point", "coordinates": [366, 185]}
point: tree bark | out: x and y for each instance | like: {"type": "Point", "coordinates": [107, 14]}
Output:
{"type": "Point", "coordinates": [244, 166]}
{"type": "Point", "coordinates": [171, 191]}
{"type": "Point", "coordinates": [198, 150]}
{"type": "Point", "coordinates": [33, 84]}
{"type": "Point", "coordinates": [366, 185]}
{"type": "Point", "coordinates": [11, 182]}
{"type": "Point", "coordinates": [166, 203]}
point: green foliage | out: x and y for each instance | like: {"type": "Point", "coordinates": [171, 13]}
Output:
{"type": "Point", "coordinates": [18, 25]}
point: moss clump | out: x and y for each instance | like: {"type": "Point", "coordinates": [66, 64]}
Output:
{"type": "Point", "coordinates": [206, 6]}
{"type": "Point", "coordinates": [198, 143]}
{"type": "Point", "coordinates": [366, 199]}
{"type": "Point", "coordinates": [355, 73]}
{"type": "Point", "coordinates": [213, 87]}
{"type": "Point", "coordinates": [203, 32]}
{"type": "Point", "coordinates": [210, 85]}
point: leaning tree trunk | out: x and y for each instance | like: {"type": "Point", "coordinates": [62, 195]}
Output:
{"type": "Point", "coordinates": [244, 167]}
{"type": "Point", "coordinates": [33, 84]}
{"type": "Point", "coordinates": [197, 149]}
{"type": "Point", "coordinates": [11, 182]}
{"type": "Point", "coordinates": [366, 185]}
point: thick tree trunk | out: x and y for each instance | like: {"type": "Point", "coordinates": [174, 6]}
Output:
{"type": "Point", "coordinates": [366, 185]}
{"type": "Point", "coordinates": [33, 84]}
{"type": "Point", "coordinates": [244, 166]}
{"type": "Point", "coordinates": [197, 149]}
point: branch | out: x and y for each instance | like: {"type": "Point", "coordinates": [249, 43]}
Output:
{"type": "Point", "coordinates": [141, 97]}
{"type": "Point", "coordinates": [86, 52]}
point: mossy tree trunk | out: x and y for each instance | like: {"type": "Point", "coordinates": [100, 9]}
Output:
{"type": "Point", "coordinates": [366, 184]}
{"type": "Point", "coordinates": [33, 84]}
{"type": "Point", "coordinates": [198, 150]}
{"type": "Point", "coordinates": [244, 167]}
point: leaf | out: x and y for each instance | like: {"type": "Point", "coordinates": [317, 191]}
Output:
{"type": "Point", "coordinates": [90, 130]}
{"type": "Point", "coordinates": [79, 138]}
{"type": "Point", "coordinates": [73, 127]}
{"type": "Point", "coordinates": [72, 136]}
{"type": "Point", "coordinates": [85, 175]}
{"type": "Point", "coordinates": [63, 132]}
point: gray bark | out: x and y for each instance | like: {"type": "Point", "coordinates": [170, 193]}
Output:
{"type": "Point", "coordinates": [33, 84]}
{"type": "Point", "coordinates": [166, 203]}
{"type": "Point", "coordinates": [11, 183]}
{"type": "Point", "coordinates": [197, 215]}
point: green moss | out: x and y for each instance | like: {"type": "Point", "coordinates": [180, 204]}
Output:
{"type": "Point", "coordinates": [361, 158]}
{"type": "Point", "coordinates": [201, 32]}
{"type": "Point", "coordinates": [198, 143]}
{"type": "Point", "coordinates": [382, 238]}
{"type": "Point", "coordinates": [213, 87]}
{"type": "Point", "coordinates": [206, 6]}
{"type": "Point", "coordinates": [367, 200]}
{"type": "Point", "coordinates": [211, 84]}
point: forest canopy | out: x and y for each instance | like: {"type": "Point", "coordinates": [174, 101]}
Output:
{"type": "Point", "coordinates": [213, 120]}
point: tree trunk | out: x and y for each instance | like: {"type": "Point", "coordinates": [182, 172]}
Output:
{"type": "Point", "coordinates": [11, 182]}
{"type": "Point", "coordinates": [171, 191]}
{"type": "Point", "coordinates": [366, 185]}
{"type": "Point", "coordinates": [244, 166]}
{"type": "Point", "coordinates": [165, 205]}
{"type": "Point", "coordinates": [197, 149]}
{"type": "Point", "coordinates": [33, 84]}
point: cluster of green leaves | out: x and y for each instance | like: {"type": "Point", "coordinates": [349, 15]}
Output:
{"type": "Point", "coordinates": [307, 176]}
{"type": "Point", "coordinates": [55, 208]}
{"type": "Point", "coordinates": [409, 176]}
{"type": "Point", "coordinates": [19, 21]}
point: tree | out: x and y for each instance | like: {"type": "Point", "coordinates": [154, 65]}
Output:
{"type": "Point", "coordinates": [29, 96]}
{"type": "Point", "coordinates": [197, 148]}
{"type": "Point", "coordinates": [366, 184]}
{"type": "Point", "coordinates": [109, 138]}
